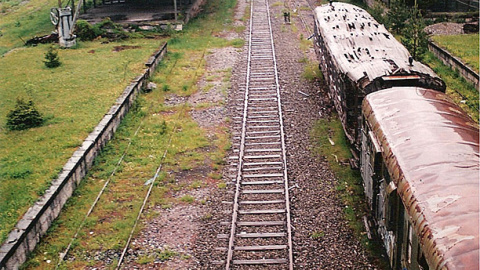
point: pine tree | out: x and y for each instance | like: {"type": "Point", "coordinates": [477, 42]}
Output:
{"type": "Point", "coordinates": [414, 37]}
{"type": "Point", "coordinates": [23, 116]}
{"type": "Point", "coordinates": [52, 59]}
{"type": "Point", "coordinates": [396, 16]}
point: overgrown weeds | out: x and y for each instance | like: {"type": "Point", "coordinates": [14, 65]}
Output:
{"type": "Point", "coordinates": [160, 127]}
{"type": "Point", "coordinates": [349, 182]}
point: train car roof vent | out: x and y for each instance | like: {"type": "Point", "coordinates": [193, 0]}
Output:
{"type": "Point", "coordinates": [410, 61]}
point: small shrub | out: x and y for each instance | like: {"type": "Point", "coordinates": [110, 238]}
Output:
{"type": "Point", "coordinates": [145, 259]}
{"type": "Point", "coordinates": [162, 127]}
{"type": "Point", "coordinates": [317, 235]}
{"type": "Point", "coordinates": [23, 116]}
{"type": "Point", "coordinates": [166, 255]}
{"type": "Point", "coordinates": [85, 31]}
{"type": "Point", "coordinates": [215, 175]}
{"type": "Point", "coordinates": [107, 28]}
{"type": "Point", "coordinates": [51, 57]}
{"type": "Point", "coordinates": [187, 199]}
{"type": "Point", "coordinates": [207, 216]}
{"type": "Point", "coordinates": [165, 88]}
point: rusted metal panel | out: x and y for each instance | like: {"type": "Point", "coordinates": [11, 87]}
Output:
{"type": "Point", "coordinates": [359, 56]}
{"type": "Point", "coordinates": [431, 150]}
{"type": "Point", "coordinates": [362, 47]}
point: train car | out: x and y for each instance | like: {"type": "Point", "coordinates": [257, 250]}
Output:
{"type": "Point", "coordinates": [420, 168]}
{"type": "Point", "coordinates": [359, 56]}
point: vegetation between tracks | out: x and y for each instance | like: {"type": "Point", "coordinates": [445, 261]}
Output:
{"type": "Point", "coordinates": [329, 142]}
{"type": "Point", "coordinates": [194, 151]}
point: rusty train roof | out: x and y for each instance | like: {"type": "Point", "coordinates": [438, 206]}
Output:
{"type": "Point", "coordinates": [361, 46]}
{"type": "Point", "coordinates": [431, 148]}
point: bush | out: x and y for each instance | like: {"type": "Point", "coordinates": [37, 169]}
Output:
{"type": "Point", "coordinates": [52, 59]}
{"type": "Point", "coordinates": [108, 29]}
{"type": "Point", "coordinates": [23, 116]}
{"type": "Point", "coordinates": [85, 31]}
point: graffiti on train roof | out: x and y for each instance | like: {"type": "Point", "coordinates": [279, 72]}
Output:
{"type": "Point", "coordinates": [361, 46]}
{"type": "Point", "coordinates": [431, 149]}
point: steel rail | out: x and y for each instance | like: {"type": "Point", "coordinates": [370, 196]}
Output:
{"type": "Point", "coordinates": [242, 148]}
{"type": "Point", "coordinates": [282, 138]}
{"type": "Point", "coordinates": [260, 91]}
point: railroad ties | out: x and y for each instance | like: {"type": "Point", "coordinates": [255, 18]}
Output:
{"type": "Point", "coordinates": [260, 231]}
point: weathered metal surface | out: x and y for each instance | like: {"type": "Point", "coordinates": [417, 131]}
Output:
{"type": "Point", "coordinates": [431, 150]}
{"type": "Point", "coordinates": [359, 56]}
{"type": "Point", "coordinates": [361, 47]}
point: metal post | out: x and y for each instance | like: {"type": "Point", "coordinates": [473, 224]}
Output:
{"type": "Point", "coordinates": [175, 7]}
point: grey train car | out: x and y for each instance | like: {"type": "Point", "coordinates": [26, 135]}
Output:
{"type": "Point", "coordinates": [359, 56]}
{"type": "Point", "coordinates": [420, 167]}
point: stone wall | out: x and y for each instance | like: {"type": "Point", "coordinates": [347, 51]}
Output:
{"type": "Point", "coordinates": [38, 218]}
{"type": "Point", "coordinates": [454, 63]}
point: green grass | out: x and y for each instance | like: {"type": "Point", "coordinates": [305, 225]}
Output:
{"type": "Point", "coordinates": [73, 98]}
{"type": "Point", "coordinates": [311, 71]}
{"type": "Point", "coordinates": [349, 184]}
{"type": "Point", "coordinates": [317, 235]}
{"type": "Point", "coordinates": [463, 46]}
{"type": "Point", "coordinates": [167, 254]}
{"type": "Point", "coordinates": [109, 225]}
{"type": "Point", "coordinates": [20, 22]}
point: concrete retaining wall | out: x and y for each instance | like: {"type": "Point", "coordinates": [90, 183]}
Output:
{"type": "Point", "coordinates": [454, 63]}
{"type": "Point", "coordinates": [38, 218]}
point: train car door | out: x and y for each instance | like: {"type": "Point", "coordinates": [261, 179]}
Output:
{"type": "Point", "coordinates": [370, 158]}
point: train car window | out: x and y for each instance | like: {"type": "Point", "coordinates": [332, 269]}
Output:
{"type": "Point", "coordinates": [391, 217]}
{"type": "Point", "coordinates": [385, 174]}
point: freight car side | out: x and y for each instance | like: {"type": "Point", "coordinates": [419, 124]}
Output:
{"type": "Point", "coordinates": [420, 167]}
{"type": "Point", "coordinates": [359, 56]}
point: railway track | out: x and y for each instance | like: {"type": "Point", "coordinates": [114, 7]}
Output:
{"type": "Point", "coordinates": [260, 227]}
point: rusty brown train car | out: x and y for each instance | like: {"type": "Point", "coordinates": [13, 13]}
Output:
{"type": "Point", "coordinates": [359, 56]}
{"type": "Point", "coordinates": [420, 167]}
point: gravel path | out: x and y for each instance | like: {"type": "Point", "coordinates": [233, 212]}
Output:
{"type": "Point", "coordinates": [315, 207]}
